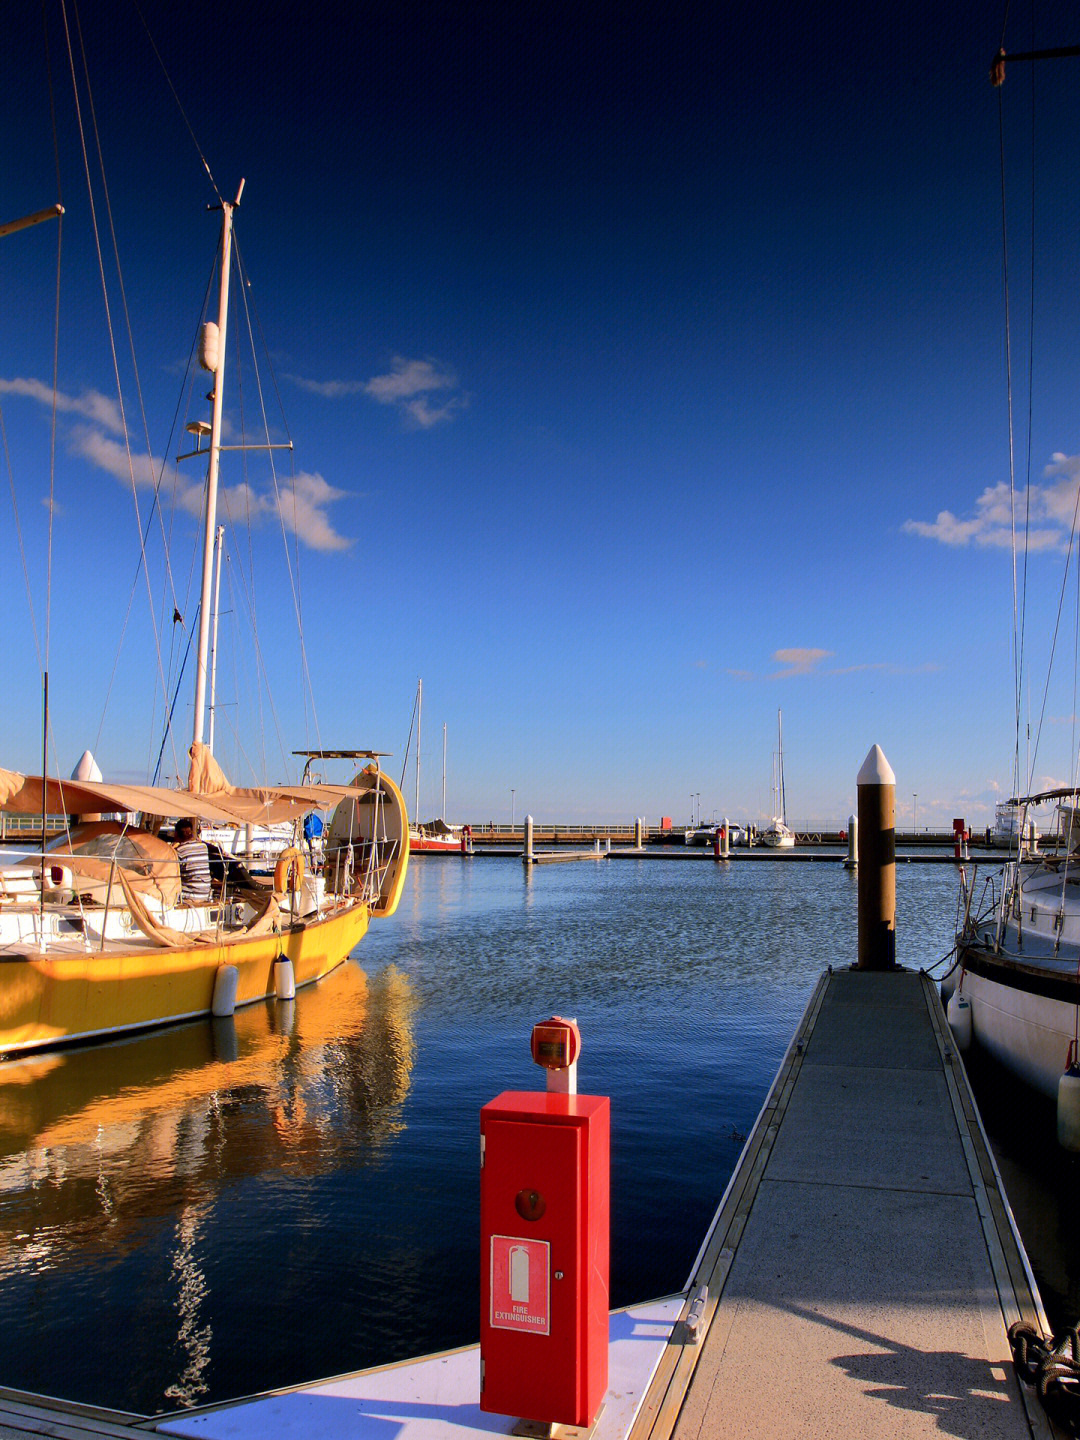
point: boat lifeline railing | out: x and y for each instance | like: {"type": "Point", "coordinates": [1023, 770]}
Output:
{"type": "Point", "coordinates": [1010, 875]}
{"type": "Point", "coordinates": [977, 914]}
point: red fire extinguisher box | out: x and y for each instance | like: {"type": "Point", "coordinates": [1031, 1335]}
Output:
{"type": "Point", "coordinates": [544, 1230]}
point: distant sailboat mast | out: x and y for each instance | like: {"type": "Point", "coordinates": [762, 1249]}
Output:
{"type": "Point", "coordinates": [442, 812]}
{"type": "Point", "coordinates": [419, 704]}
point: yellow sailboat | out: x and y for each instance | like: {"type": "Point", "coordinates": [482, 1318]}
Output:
{"type": "Point", "coordinates": [95, 936]}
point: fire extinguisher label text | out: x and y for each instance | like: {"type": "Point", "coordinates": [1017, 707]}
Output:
{"type": "Point", "coordinates": [520, 1284]}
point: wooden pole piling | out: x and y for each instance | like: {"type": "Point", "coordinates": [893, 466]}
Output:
{"type": "Point", "coordinates": [877, 863]}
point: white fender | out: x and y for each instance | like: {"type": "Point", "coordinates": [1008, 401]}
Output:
{"type": "Point", "coordinates": [225, 985]}
{"type": "Point", "coordinates": [284, 978]}
{"type": "Point", "coordinates": [958, 1014]}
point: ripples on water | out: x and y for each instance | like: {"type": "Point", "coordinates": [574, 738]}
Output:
{"type": "Point", "coordinates": [220, 1209]}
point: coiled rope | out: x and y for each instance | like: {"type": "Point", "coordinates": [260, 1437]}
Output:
{"type": "Point", "coordinates": [1052, 1368]}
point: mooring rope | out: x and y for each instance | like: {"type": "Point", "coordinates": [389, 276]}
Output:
{"type": "Point", "coordinates": [1052, 1368]}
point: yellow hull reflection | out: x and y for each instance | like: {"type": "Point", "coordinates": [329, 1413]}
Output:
{"type": "Point", "coordinates": [149, 1135]}
{"type": "Point", "coordinates": [338, 1058]}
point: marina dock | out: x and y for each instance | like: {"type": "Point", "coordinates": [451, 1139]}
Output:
{"type": "Point", "coordinates": [858, 1277]}
{"type": "Point", "coordinates": [863, 1267]}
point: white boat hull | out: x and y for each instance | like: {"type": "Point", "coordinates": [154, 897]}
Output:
{"type": "Point", "coordinates": [1029, 1034]}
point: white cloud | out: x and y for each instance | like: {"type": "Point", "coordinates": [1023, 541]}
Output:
{"type": "Point", "coordinates": [1046, 509]}
{"type": "Point", "coordinates": [799, 662]}
{"type": "Point", "coordinates": [91, 404]}
{"type": "Point", "coordinates": [113, 457]}
{"type": "Point", "coordinates": [806, 661]}
{"type": "Point", "coordinates": [303, 511]}
{"type": "Point", "coordinates": [328, 389]}
{"type": "Point", "coordinates": [423, 392]}
{"type": "Point", "coordinates": [302, 507]}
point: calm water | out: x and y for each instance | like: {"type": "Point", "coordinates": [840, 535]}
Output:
{"type": "Point", "coordinates": [223, 1208]}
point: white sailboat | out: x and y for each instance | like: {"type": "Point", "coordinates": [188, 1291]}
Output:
{"type": "Point", "coordinates": [1016, 988]}
{"type": "Point", "coordinates": [438, 836]}
{"type": "Point", "coordinates": [779, 836]}
{"type": "Point", "coordinates": [95, 938]}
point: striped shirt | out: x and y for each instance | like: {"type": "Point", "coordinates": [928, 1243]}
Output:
{"type": "Point", "coordinates": [194, 870]}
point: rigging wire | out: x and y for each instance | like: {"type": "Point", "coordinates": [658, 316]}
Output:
{"type": "Point", "coordinates": [1057, 625]}
{"type": "Point", "coordinates": [1012, 438]}
{"type": "Point", "coordinates": [104, 283]}
{"type": "Point", "coordinates": [87, 126]}
{"type": "Point", "coordinates": [155, 511]}
{"type": "Point", "coordinates": [292, 557]}
{"type": "Point", "coordinates": [179, 106]}
{"type": "Point", "coordinates": [408, 742]}
{"type": "Point", "coordinates": [21, 543]}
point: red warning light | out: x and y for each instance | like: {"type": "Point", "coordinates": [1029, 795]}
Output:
{"type": "Point", "coordinates": [556, 1043]}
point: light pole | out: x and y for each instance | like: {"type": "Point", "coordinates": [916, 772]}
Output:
{"type": "Point", "coordinates": [513, 810]}
{"type": "Point", "coordinates": [914, 812]}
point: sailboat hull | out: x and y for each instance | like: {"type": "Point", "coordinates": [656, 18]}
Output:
{"type": "Point", "coordinates": [424, 841]}
{"type": "Point", "coordinates": [51, 999]}
{"type": "Point", "coordinates": [1023, 1015]}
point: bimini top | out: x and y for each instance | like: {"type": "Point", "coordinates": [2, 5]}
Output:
{"type": "Point", "coordinates": [1067, 793]}
{"type": "Point", "coordinates": [208, 796]}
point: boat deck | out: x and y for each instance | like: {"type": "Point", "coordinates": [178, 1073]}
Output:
{"type": "Point", "coordinates": [861, 1271]}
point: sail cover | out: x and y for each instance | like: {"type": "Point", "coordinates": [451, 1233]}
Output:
{"type": "Point", "coordinates": [209, 796]}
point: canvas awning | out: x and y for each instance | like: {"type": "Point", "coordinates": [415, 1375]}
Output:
{"type": "Point", "coordinates": [211, 798]}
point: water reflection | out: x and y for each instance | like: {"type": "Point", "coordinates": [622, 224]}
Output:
{"type": "Point", "coordinates": [238, 1094]}
{"type": "Point", "coordinates": [110, 1153]}
{"type": "Point", "coordinates": [1041, 1179]}
{"type": "Point", "coordinates": [191, 1288]}
{"type": "Point", "coordinates": [296, 1194]}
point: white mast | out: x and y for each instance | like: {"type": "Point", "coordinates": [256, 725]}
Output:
{"type": "Point", "coordinates": [419, 703]}
{"type": "Point", "coordinates": [213, 358]}
{"type": "Point", "coordinates": [442, 812]}
{"type": "Point", "coordinates": [213, 648]}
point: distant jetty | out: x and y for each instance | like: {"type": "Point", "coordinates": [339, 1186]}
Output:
{"type": "Point", "coordinates": [486, 836]}
{"type": "Point", "coordinates": [26, 829]}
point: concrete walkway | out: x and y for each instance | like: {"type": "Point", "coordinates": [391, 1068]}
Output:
{"type": "Point", "coordinates": [863, 1266]}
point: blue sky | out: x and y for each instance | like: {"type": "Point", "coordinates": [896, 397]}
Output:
{"type": "Point", "coordinates": [645, 373]}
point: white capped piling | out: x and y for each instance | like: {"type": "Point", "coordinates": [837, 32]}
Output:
{"type": "Point", "coordinates": [877, 863]}
{"type": "Point", "coordinates": [86, 769]}
{"type": "Point", "coordinates": [527, 856]}
{"type": "Point", "coordinates": [639, 833]}
{"type": "Point", "coordinates": [725, 839]}
{"type": "Point", "coordinates": [852, 861]}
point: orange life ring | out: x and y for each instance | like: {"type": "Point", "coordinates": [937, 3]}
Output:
{"type": "Point", "coordinates": [289, 870]}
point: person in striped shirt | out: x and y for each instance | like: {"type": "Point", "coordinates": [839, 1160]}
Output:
{"type": "Point", "coordinates": [194, 863]}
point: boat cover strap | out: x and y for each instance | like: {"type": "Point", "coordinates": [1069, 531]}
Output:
{"type": "Point", "coordinates": [154, 931]}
